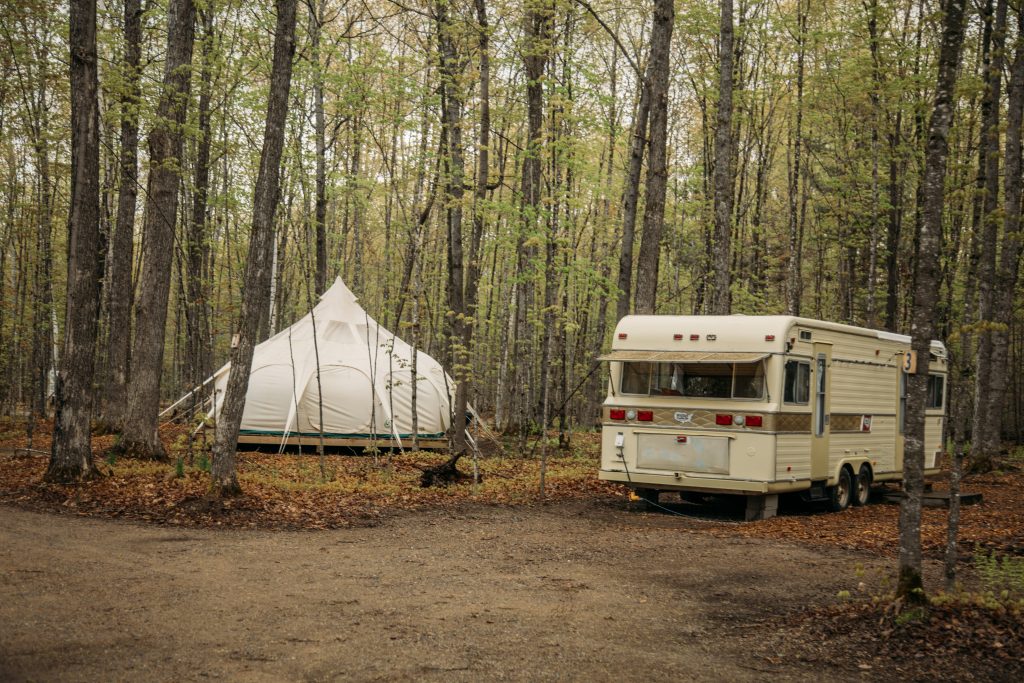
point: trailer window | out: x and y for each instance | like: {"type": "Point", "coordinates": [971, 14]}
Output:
{"type": "Point", "coordinates": [936, 390]}
{"type": "Point", "coordinates": [797, 382]}
{"type": "Point", "coordinates": [707, 380]}
{"type": "Point", "coordinates": [696, 380]}
{"type": "Point", "coordinates": [748, 380]}
{"type": "Point", "coordinates": [636, 378]}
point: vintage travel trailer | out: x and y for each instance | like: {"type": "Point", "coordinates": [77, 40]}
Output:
{"type": "Point", "coordinates": [762, 405]}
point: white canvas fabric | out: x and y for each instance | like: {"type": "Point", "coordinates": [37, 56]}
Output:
{"type": "Point", "coordinates": [365, 379]}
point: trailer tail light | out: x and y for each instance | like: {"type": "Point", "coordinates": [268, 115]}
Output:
{"type": "Point", "coordinates": [645, 415]}
{"type": "Point", "coordinates": [723, 419]}
{"type": "Point", "coordinates": [753, 420]}
{"type": "Point", "coordinates": [617, 414]}
{"type": "Point", "coordinates": [694, 337]}
{"type": "Point", "coordinates": [622, 335]}
{"type": "Point", "coordinates": [681, 438]}
{"type": "Point", "coordinates": [677, 337]}
{"type": "Point", "coordinates": [769, 337]}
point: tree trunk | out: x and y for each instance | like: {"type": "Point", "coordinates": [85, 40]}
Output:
{"type": "Point", "coordinates": [630, 201]}
{"type": "Point", "coordinates": [316, 23]}
{"type": "Point", "coordinates": [114, 404]}
{"type": "Point", "coordinates": [140, 438]}
{"type": "Point", "coordinates": [71, 452]}
{"type": "Point", "coordinates": [722, 276]}
{"type": "Point", "coordinates": [910, 585]}
{"type": "Point", "coordinates": [1009, 262]}
{"type": "Point", "coordinates": [197, 274]}
{"type": "Point", "coordinates": [657, 166]}
{"type": "Point", "coordinates": [983, 441]}
{"type": "Point", "coordinates": [257, 271]}
{"type": "Point", "coordinates": [794, 280]}
{"type": "Point", "coordinates": [451, 68]}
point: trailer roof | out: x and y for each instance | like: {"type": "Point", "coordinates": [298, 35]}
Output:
{"type": "Point", "coordinates": [685, 356]}
{"type": "Point", "coordinates": [749, 333]}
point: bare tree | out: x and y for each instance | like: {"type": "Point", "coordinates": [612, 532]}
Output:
{"type": "Point", "coordinates": [71, 452]}
{"type": "Point", "coordinates": [910, 585]}
{"type": "Point", "coordinates": [258, 269]}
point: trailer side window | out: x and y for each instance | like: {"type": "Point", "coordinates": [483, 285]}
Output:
{"type": "Point", "coordinates": [797, 382]}
{"type": "Point", "coordinates": [936, 391]}
{"type": "Point", "coordinates": [903, 402]}
{"type": "Point", "coordinates": [749, 380]}
{"type": "Point", "coordinates": [636, 378]}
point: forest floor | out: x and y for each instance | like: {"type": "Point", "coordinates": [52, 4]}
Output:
{"type": "Point", "coordinates": [489, 581]}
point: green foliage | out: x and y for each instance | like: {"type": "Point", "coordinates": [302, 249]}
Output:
{"type": "Point", "coordinates": [1002, 575]}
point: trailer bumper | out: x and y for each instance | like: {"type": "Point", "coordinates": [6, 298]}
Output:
{"type": "Point", "coordinates": [680, 482]}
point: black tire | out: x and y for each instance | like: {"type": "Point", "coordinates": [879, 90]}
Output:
{"type": "Point", "coordinates": [862, 486]}
{"type": "Point", "coordinates": [839, 496]}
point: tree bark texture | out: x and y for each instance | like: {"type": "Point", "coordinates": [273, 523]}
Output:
{"type": "Point", "coordinates": [139, 437]}
{"type": "Point", "coordinates": [451, 68]}
{"type": "Point", "coordinates": [721, 272]}
{"type": "Point", "coordinates": [794, 279]}
{"type": "Point", "coordinates": [198, 276]}
{"type": "Point", "coordinates": [1009, 259]}
{"type": "Point", "coordinates": [910, 585]}
{"type": "Point", "coordinates": [71, 451]}
{"type": "Point", "coordinates": [657, 161]}
{"type": "Point", "coordinates": [114, 405]}
{"type": "Point", "coordinates": [631, 199]}
{"type": "Point", "coordinates": [316, 23]}
{"type": "Point", "coordinates": [984, 440]}
{"type": "Point", "coordinates": [258, 265]}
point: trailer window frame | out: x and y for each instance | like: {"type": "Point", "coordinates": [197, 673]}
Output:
{"type": "Point", "coordinates": [800, 379]}
{"type": "Point", "coordinates": [671, 379]}
{"type": "Point", "coordinates": [936, 391]}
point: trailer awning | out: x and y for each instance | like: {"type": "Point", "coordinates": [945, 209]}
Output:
{"type": "Point", "coordinates": [685, 356]}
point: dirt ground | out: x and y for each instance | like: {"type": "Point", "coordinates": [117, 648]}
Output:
{"type": "Point", "coordinates": [569, 591]}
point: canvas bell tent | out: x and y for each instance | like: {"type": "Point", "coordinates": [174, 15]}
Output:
{"type": "Point", "coordinates": [365, 381]}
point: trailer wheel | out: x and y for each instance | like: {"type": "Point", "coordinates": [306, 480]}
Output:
{"type": "Point", "coordinates": [839, 495]}
{"type": "Point", "coordinates": [862, 486]}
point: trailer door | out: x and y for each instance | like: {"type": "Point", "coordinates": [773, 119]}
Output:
{"type": "Point", "coordinates": [821, 383]}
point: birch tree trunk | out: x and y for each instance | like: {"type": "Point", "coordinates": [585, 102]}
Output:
{"type": "Point", "coordinates": [139, 437]}
{"type": "Point", "coordinates": [71, 451]}
{"type": "Point", "coordinates": [910, 585]}
{"type": "Point", "coordinates": [258, 269]}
